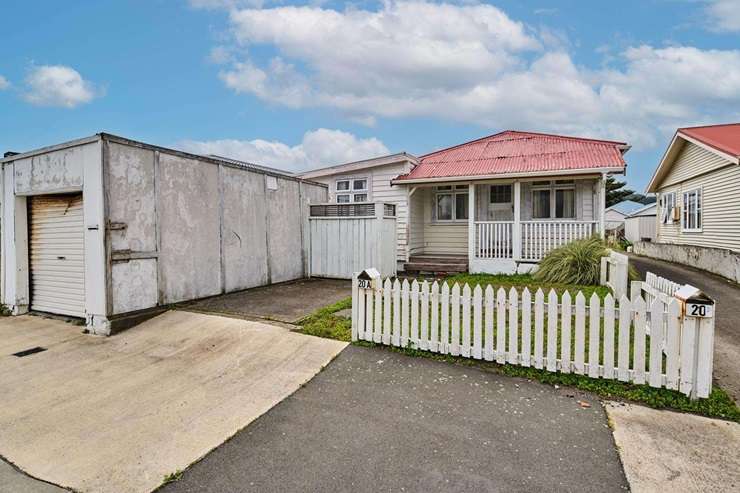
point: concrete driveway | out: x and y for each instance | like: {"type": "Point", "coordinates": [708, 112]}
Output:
{"type": "Point", "coordinates": [727, 324]}
{"type": "Point", "coordinates": [285, 302]}
{"type": "Point", "coordinates": [118, 414]}
{"type": "Point", "coordinates": [375, 420]}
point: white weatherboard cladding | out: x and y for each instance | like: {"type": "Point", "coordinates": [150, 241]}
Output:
{"type": "Point", "coordinates": [719, 180]}
{"type": "Point", "coordinates": [57, 256]}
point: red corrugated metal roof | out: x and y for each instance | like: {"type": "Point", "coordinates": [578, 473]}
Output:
{"type": "Point", "coordinates": [725, 138]}
{"type": "Point", "coordinates": [513, 152]}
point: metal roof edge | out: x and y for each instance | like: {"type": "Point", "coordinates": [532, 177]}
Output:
{"type": "Point", "coordinates": [503, 176]}
{"type": "Point", "coordinates": [361, 164]}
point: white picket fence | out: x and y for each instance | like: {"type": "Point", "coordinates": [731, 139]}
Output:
{"type": "Point", "coordinates": [606, 339]}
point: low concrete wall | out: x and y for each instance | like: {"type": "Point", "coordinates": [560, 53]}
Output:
{"type": "Point", "coordinates": [718, 261]}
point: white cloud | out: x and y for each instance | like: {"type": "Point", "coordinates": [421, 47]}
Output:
{"type": "Point", "coordinates": [321, 147]}
{"type": "Point", "coordinates": [4, 83]}
{"type": "Point", "coordinates": [57, 85]}
{"type": "Point", "coordinates": [724, 15]}
{"type": "Point", "coordinates": [474, 64]}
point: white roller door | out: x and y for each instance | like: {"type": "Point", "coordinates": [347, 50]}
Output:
{"type": "Point", "coordinates": [57, 254]}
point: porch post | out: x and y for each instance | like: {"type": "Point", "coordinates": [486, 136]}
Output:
{"type": "Point", "coordinates": [471, 223]}
{"type": "Point", "coordinates": [602, 205]}
{"type": "Point", "coordinates": [517, 233]}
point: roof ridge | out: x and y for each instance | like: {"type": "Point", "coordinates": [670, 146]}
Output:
{"type": "Point", "coordinates": [710, 126]}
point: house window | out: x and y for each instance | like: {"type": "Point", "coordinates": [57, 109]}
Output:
{"type": "Point", "coordinates": [667, 204]}
{"type": "Point", "coordinates": [691, 217]}
{"type": "Point", "coordinates": [352, 190]}
{"type": "Point", "coordinates": [500, 194]}
{"type": "Point", "coordinates": [451, 203]}
{"type": "Point", "coordinates": [541, 204]}
{"type": "Point", "coordinates": [554, 200]}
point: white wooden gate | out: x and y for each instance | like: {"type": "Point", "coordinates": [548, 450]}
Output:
{"type": "Point", "coordinates": [601, 339]}
{"type": "Point", "coordinates": [345, 238]}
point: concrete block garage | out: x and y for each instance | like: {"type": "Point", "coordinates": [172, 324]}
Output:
{"type": "Point", "coordinates": [105, 227]}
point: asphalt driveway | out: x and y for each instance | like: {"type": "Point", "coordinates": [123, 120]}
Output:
{"type": "Point", "coordinates": [375, 420]}
{"type": "Point", "coordinates": [120, 413]}
{"type": "Point", "coordinates": [726, 326]}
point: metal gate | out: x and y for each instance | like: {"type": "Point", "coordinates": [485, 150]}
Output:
{"type": "Point", "coordinates": [57, 255]}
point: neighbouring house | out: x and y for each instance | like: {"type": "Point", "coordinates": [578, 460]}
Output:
{"type": "Point", "coordinates": [500, 203]}
{"type": "Point", "coordinates": [698, 187]}
{"type": "Point", "coordinates": [615, 215]}
{"type": "Point", "coordinates": [370, 181]}
{"type": "Point", "coordinates": [105, 228]}
{"type": "Point", "coordinates": [640, 225]}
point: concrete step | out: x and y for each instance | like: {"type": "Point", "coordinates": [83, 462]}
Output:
{"type": "Point", "coordinates": [435, 267]}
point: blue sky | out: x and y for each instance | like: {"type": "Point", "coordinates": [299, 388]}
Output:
{"type": "Point", "coordinates": [310, 84]}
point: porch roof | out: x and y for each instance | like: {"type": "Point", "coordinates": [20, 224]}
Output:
{"type": "Point", "coordinates": [514, 153]}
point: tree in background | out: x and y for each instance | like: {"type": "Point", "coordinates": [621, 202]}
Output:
{"type": "Point", "coordinates": [616, 193]}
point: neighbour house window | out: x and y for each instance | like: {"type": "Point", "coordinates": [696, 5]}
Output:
{"type": "Point", "coordinates": [451, 204]}
{"type": "Point", "coordinates": [554, 200]}
{"type": "Point", "coordinates": [691, 216]}
{"type": "Point", "coordinates": [352, 190]}
{"type": "Point", "coordinates": [667, 204]}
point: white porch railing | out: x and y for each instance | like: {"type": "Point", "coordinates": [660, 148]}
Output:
{"type": "Point", "coordinates": [497, 239]}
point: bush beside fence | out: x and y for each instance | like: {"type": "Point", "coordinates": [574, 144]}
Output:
{"type": "Point", "coordinates": [610, 339]}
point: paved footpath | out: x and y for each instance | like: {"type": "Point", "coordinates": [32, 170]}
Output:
{"type": "Point", "coordinates": [727, 325]}
{"type": "Point", "coordinates": [374, 420]}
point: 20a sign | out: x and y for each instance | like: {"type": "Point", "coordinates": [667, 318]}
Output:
{"type": "Point", "coordinates": [364, 283]}
{"type": "Point", "coordinates": [700, 310]}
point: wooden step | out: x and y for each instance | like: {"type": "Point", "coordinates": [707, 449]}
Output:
{"type": "Point", "coordinates": [436, 267]}
{"type": "Point", "coordinates": [437, 259]}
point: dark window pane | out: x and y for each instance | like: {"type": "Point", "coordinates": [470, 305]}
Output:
{"type": "Point", "coordinates": [500, 194]}
{"type": "Point", "coordinates": [343, 185]}
{"type": "Point", "coordinates": [342, 199]}
{"type": "Point", "coordinates": [461, 206]}
{"type": "Point", "coordinates": [541, 204]}
{"type": "Point", "coordinates": [360, 197]}
{"type": "Point", "coordinates": [565, 203]}
{"type": "Point", "coordinates": [444, 207]}
{"type": "Point", "coordinates": [359, 185]}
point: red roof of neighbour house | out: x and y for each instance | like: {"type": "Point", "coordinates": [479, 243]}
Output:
{"type": "Point", "coordinates": [512, 152]}
{"type": "Point", "coordinates": [725, 138]}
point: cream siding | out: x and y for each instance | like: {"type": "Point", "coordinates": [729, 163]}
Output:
{"type": "Point", "coordinates": [380, 190]}
{"type": "Point", "coordinates": [692, 161]}
{"type": "Point", "coordinates": [416, 221]}
{"type": "Point", "coordinates": [719, 183]}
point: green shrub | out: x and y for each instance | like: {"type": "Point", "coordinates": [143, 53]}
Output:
{"type": "Point", "coordinates": [578, 262]}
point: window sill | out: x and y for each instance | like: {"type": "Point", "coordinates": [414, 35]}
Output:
{"type": "Point", "coordinates": [462, 222]}
{"type": "Point", "coordinates": [692, 230]}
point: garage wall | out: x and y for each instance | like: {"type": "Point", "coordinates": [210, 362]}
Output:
{"type": "Point", "coordinates": [183, 228]}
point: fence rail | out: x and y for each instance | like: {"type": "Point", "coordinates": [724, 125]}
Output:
{"type": "Point", "coordinates": [567, 334]}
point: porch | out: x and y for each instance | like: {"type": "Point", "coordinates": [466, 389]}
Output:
{"type": "Point", "coordinates": [501, 226]}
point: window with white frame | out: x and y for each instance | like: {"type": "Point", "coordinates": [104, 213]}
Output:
{"type": "Point", "coordinates": [691, 216]}
{"type": "Point", "coordinates": [554, 199]}
{"type": "Point", "coordinates": [667, 204]}
{"type": "Point", "coordinates": [451, 203]}
{"type": "Point", "coordinates": [351, 190]}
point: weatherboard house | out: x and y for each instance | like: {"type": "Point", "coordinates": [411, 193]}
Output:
{"type": "Point", "coordinates": [496, 204]}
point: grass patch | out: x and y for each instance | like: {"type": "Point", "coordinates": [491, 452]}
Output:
{"type": "Point", "coordinates": [718, 405]}
{"type": "Point", "coordinates": [521, 281]}
{"type": "Point", "coordinates": [325, 323]}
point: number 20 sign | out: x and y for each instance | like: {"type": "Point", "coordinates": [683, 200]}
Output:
{"type": "Point", "coordinates": [699, 310]}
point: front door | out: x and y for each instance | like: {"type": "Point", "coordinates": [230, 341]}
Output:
{"type": "Point", "coordinates": [500, 205]}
